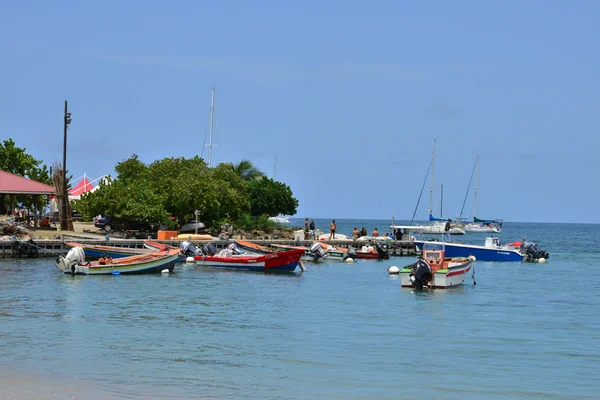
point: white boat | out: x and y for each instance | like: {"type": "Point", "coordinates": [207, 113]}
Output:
{"type": "Point", "coordinates": [280, 219]}
{"type": "Point", "coordinates": [435, 271]}
{"type": "Point", "coordinates": [436, 225]}
{"type": "Point", "coordinates": [482, 228]}
{"type": "Point", "coordinates": [437, 228]}
{"type": "Point", "coordinates": [338, 236]}
{"type": "Point", "coordinates": [480, 225]}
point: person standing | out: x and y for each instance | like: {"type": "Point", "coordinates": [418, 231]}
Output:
{"type": "Point", "coordinates": [332, 228]}
{"type": "Point", "coordinates": [313, 229]}
{"type": "Point", "coordinates": [447, 229]}
{"type": "Point", "coordinates": [306, 229]}
{"type": "Point", "coordinates": [363, 231]}
{"type": "Point", "coordinates": [355, 233]}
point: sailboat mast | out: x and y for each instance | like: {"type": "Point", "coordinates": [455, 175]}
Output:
{"type": "Point", "coordinates": [274, 167]}
{"type": "Point", "coordinates": [442, 202]}
{"type": "Point", "coordinates": [212, 117]}
{"type": "Point", "coordinates": [475, 188]}
{"type": "Point", "coordinates": [432, 176]}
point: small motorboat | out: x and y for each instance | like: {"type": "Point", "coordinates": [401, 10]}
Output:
{"type": "Point", "coordinates": [252, 248]}
{"type": "Point", "coordinates": [93, 251]}
{"type": "Point", "coordinates": [434, 271]}
{"type": "Point", "coordinates": [316, 252]}
{"type": "Point", "coordinates": [492, 250]}
{"type": "Point", "coordinates": [234, 258]}
{"type": "Point", "coordinates": [377, 252]}
{"type": "Point", "coordinates": [156, 261]}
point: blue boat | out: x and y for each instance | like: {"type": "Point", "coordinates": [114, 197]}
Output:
{"type": "Point", "coordinates": [98, 251]}
{"type": "Point", "coordinates": [490, 251]}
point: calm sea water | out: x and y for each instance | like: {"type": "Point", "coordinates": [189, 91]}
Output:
{"type": "Point", "coordinates": [338, 331]}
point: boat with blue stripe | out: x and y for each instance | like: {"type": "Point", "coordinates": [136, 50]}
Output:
{"type": "Point", "coordinates": [492, 250]}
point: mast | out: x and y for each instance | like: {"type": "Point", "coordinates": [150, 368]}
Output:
{"type": "Point", "coordinates": [442, 202]}
{"type": "Point", "coordinates": [212, 117]}
{"type": "Point", "coordinates": [274, 167]}
{"type": "Point", "coordinates": [475, 188]}
{"type": "Point", "coordinates": [431, 185]}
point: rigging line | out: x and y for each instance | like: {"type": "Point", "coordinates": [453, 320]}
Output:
{"type": "Point", "coordinates": [205, 135]}
{"type": "Point", "coordinates": [468, 188]}
{"type": "Point", "coordinates": [420, 194]}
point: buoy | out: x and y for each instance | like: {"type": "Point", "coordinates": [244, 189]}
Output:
{"type": "Point", "coordinates": [394, 270]}
{"type": "Point", "coordinates": [542, 260]}
{"type": "Point", "coordinates": [349, 260]}
{"type": "Point", "coordinates": [190, 260]}
{"type": "Point", "coordinates": [165, 271]}
{"type": "Point", "coordinates": [472, 258]}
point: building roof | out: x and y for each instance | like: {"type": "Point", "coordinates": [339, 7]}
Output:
{"type": "Point", "coordinates": [14, 184]}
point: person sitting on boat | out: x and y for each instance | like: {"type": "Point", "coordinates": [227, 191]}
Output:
{"type": "Point", "coordinates": [375, 233]}
{"type": "Point", "coordinates": [363, 231]}
{"type": "Point", "coordinates": [447, 229]}
{"type": "Point", "coordinates": [355, 233]}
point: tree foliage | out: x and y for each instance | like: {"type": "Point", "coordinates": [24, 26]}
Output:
{"type": "Point", "coordinates": [271, 198]}
{"type": "Point", "coordinates": [246, 170]}
{"type": "Point", "coordinates": [17, 161]}
{"type": "Point", "coordinates": [169, 187]}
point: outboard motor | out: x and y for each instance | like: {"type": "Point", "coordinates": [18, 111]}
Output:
{"type": "Point", "coordinates": [383, 254]}
{"type": "Point", "coordinates": [209, 249]}
{"type": "Point", "coordinates": [421, 273]}
{"type": "Point", "coordinates": [69, 263]}
{"type": "Point", "coordinates": [318, 251]}
{"type": "Point", "coordinates": [235, 250]}
{"type": "Point", "coordinates": [351, 253]}
{"type": "Point", "coordinates": [533, 252]}
{"type": "Point", "coordinates": [189, 249]}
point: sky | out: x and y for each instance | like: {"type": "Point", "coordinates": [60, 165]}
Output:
{"type": "Point", "coordinates": [347, 96]}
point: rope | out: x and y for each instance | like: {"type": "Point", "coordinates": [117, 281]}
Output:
{"type": "Point", "coordinates": [468, 187]}
{"type": "Point", "coordinates": [421, 194]}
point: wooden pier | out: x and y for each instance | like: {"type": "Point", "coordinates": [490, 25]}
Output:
{"type": "Point", "coordinates": [52, 248]}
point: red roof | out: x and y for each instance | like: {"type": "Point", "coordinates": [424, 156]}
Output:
{"type": "Point", "coordinates": [14, 184]}
{"type": "Point", "coordinates": [82, 187]}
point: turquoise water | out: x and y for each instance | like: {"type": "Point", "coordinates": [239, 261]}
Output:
{"type": "Point", "coordinates": [338, 331]}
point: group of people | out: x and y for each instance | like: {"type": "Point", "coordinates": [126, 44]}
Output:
{"type": "Point", "coordinates": [308, 228]}
{"type": "Point", "coordinates": [363, 232]}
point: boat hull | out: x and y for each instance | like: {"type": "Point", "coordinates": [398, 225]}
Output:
{"type": "Point", "coordinates": [252, 248]}
{"type": "Point", "coordinates": [481, 253]}
{"type": "Point", "coordinates": [284, 261]}
{"type": "Point", "coordinates": [453, 276]}
{"type": "Point", "coordinates": [141, 264]}
{"type": "Point", "coordinates": [99, 251]}
{"type": "Point", "coordinates": [436, 229]}
{"type": "Point", "coordinates": [481, 229]}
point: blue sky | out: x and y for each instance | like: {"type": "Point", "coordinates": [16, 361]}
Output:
{"type": "Point", "coordinates": [349, 96]}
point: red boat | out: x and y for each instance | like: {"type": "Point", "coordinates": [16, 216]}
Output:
{"type": "Point", "coordinates": [286, 261]}
{"type": "Point", "coordinates": [376, 252]}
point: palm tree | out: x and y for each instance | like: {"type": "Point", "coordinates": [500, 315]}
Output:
{"type": "Point", "coordinates": [247, 171]}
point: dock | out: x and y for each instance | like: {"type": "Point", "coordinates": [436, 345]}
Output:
{"type": "Point", "coordinates": [55, 247]}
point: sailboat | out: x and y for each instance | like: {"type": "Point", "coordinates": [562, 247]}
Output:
{"type": "Point", "coordinates": [436, 225]}
{"type": "Point", "coordinates": [481, 225]}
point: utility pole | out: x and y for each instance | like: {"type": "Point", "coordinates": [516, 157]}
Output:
{"type": "Point", "coordinates": [63, 223]}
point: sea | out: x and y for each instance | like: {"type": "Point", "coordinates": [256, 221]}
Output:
{"type": "Point", "coordinates": [337, 331]}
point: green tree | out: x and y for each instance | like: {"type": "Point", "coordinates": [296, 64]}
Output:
{"type": "Point", "coordinates": [246, 170]}
{"type": "Point", "coordinates": [269, 197]}
{"type": "Point", "coordinates": [15, 160]}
